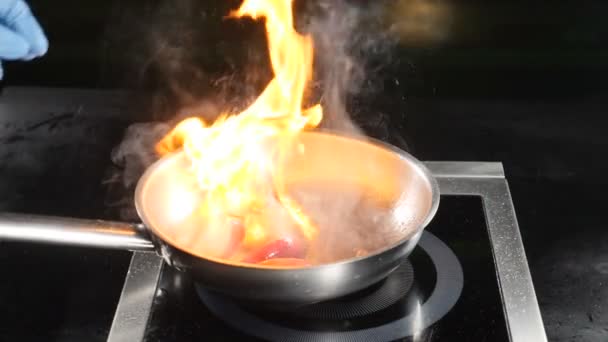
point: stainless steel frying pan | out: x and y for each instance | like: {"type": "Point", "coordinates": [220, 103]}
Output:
{"type": "Point", "coordinates": [330, 158]}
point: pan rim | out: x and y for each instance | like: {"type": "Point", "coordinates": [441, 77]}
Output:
{"type": "Point", "coordinates": [418, 166]}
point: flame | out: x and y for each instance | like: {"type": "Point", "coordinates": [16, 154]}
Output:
{"type": "Point", "coordinates": [236, 159]}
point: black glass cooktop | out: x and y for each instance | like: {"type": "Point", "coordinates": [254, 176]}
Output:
{"type": "Point", "coordinates": [445, 291]}
{"type": "Point", "coordinates": [52, 162]}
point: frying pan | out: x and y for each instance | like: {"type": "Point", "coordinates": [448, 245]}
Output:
{"type": "Point", "coordinates": [329, 158]}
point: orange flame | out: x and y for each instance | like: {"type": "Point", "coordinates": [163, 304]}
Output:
{"type": "Point", "coordinates": [234, 163]}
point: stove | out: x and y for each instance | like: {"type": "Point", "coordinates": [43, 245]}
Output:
{"type": "Point", "coordinates": [467, 280]}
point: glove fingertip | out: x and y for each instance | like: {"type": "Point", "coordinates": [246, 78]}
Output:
{"type": "Point", "coordinates": [26, 25]}
{"type": "Point", "coordinates": [38, 49]}
{"type": "Point", "coordinates": [40, 46]}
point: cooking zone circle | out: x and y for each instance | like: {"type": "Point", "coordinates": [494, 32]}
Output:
{"type": "Point", "coordinates": [365, 302]}
{"type": "Point", "coordinates": [448, 287]}
{"type": "Point", "coordinates": [373, 299]}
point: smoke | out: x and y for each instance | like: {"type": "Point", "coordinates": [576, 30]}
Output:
{"type": "Point", "coordinates": [184, 58]}
{"type": "Point", "coordinates": [348, 36]}
{"type": "Point", "coordinates": [339, 72]}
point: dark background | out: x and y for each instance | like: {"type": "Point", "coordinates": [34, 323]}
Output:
{"type": "Point", "coordinates": [522, 82]}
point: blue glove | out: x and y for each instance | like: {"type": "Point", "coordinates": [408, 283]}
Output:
{"type": "Point", "coordinates": [21, 37]}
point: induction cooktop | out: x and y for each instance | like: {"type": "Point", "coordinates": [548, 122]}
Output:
{"type": "Point", "coordinates": [467, 280]}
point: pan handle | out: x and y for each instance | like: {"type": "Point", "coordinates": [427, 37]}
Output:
{"type": "Point", "coordinates": [74, 232]}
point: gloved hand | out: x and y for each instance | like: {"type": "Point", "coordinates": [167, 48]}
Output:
{"type": "Point", "coordinates": [21, 37]}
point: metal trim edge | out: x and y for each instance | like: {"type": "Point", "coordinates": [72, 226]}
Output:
{"type": "Point", "coordinates": [442, 169]}
{"type": "Point", "coordinates": [135, 304]}
{"type": "Point", "coordinates": [521, 308]}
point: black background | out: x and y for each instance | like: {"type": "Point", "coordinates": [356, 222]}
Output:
{"type": "Point", "coordinates": [522, 82]}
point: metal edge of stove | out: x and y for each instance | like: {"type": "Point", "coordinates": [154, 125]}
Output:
{"type": "Point", "coordinates": [484, 179]}
{"type": "Point", "coordinates": [137, 297]}
{"type": "Point", "coordinates": [450, 169]}
{"type": "Point", "coordinates": [521, 308]}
